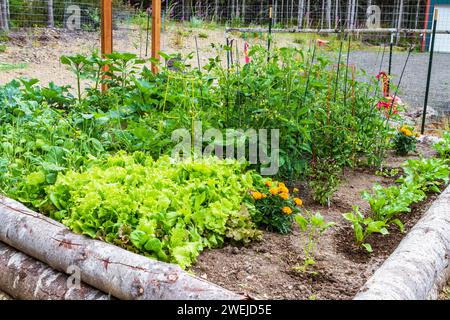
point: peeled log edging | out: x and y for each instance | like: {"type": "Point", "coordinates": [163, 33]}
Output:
{"type": "Point", "coordinates": [113, 270]}
{"type": "Point", "coordinates": [419, 267]}
{"type": "Point", "coordinates": [25, 278]}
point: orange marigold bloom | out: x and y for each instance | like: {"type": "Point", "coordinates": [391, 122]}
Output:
{"type": "Point", "coordinates": [268, 183]}
{"type": "Point", "coordinates": [298, 202]}
{"type": "Point", "coordinates": [284, 190]}
{"type": "Point", "coordinates": [274, 191]}
{"type": "Point", "coordinates": [287, 210]}
{"type": "Point", "coordinates": [284, 196]}
{"type": "Point", "coordinates": [257, 195]}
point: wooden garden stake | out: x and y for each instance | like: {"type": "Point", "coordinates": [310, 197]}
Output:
{"type": "Point", "coordinates": [329, 95]}
{"type": "Point", "coordinates": [269, 37]}
{"type": "Point", "coordinates": [106, 33]}
{"type": "Point", "coordinates": [156, 33]}
{"type": "Point", "coordinates": [148, 32]}
{"type": "Point", "coordinates": [338, 66]}
{"type": "Point", "coordinates": [198, 55]}
{"type": "Point", "coordinates": [353, 89]}
{"type": "Point", "coordinates": [391, 50]}
{"type": "Point", "coordinates": [346, 68]}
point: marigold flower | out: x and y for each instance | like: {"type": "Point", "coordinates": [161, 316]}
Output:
{"type": "Point", "coordinates": [274, 191]}
{"type": "Point", "coordinates": [295, 190]}
{"type": "Point", "coordinates": [287, 210]}
{"type": "Point", "coordinates": [268, 183]}
{"type": "Point", "coordinates": [282, 187]}
{"type": "Point", "coordinates": [257, 195]}
{"type": "Point", "coordinates": [284, 196]}
{"type": "Point", "coordinates": [298, 202]}
{"type": "Point", "coordinates": [408, 133]}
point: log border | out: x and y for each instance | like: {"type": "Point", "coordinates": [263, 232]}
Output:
{"type": "Point", "coordinates": [106, 267]}
{"type": "Point", "coordinates": [420, 266]}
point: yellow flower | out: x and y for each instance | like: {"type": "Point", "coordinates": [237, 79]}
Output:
{"type": "Point", "coordinates": [298, 202]}
{"type": "Point", "coordinates": [284, 196]}
{"type": "Point", "coordinates": [295, 190]}
{"type": "Point", "coordinates": [417, 135]}
{"type": "Point", "coordinates": [268, 183]}
{"type": "Point", "coordinates": [284, 190]}
{"type": "Point", "coordinates": [406, 131]}
{"type": "Point", "coordinates": [274, 191]}
{"type": "Point", "coordinates": [281, 185]}
{"type": "Point", "coordinates": [287, 210]}
{"type": "Point", "coordinates": [257, 195]}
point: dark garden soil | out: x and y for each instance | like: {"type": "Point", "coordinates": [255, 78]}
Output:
{"type": "Point", "coordinates": [265, 270]}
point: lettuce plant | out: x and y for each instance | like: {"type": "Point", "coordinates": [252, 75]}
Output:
{"type": "Point", "coordinates": [168, 210]}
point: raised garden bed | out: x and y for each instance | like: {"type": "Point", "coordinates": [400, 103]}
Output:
{"type": "Point", "coordinates": [114, 174]}
{"type": "Point", "coordinates": [265, 269]}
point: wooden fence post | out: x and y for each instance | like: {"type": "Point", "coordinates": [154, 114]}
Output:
{"type": "Point", "coordinates": [156, 32]}
{"type": "Point", "coordinates": [106, 32]}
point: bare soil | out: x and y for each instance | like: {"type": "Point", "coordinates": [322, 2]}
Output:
{"type": "Point", "coordinates": [265, 270]}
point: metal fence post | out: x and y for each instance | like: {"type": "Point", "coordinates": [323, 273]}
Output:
{"type": "Point", "coordinates": [430, 66]}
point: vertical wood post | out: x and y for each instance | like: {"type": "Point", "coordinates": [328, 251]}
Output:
{"type": "Point", "coordinates": [106, 32]}
{"type": "Point", "coordinates": [156, 32]}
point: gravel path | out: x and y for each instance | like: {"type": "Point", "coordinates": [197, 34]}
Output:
{"type": "Point", "coordinates": [412, 88]}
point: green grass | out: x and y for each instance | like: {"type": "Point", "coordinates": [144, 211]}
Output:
{"type": "Point", "coordinates": [11, 66]}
